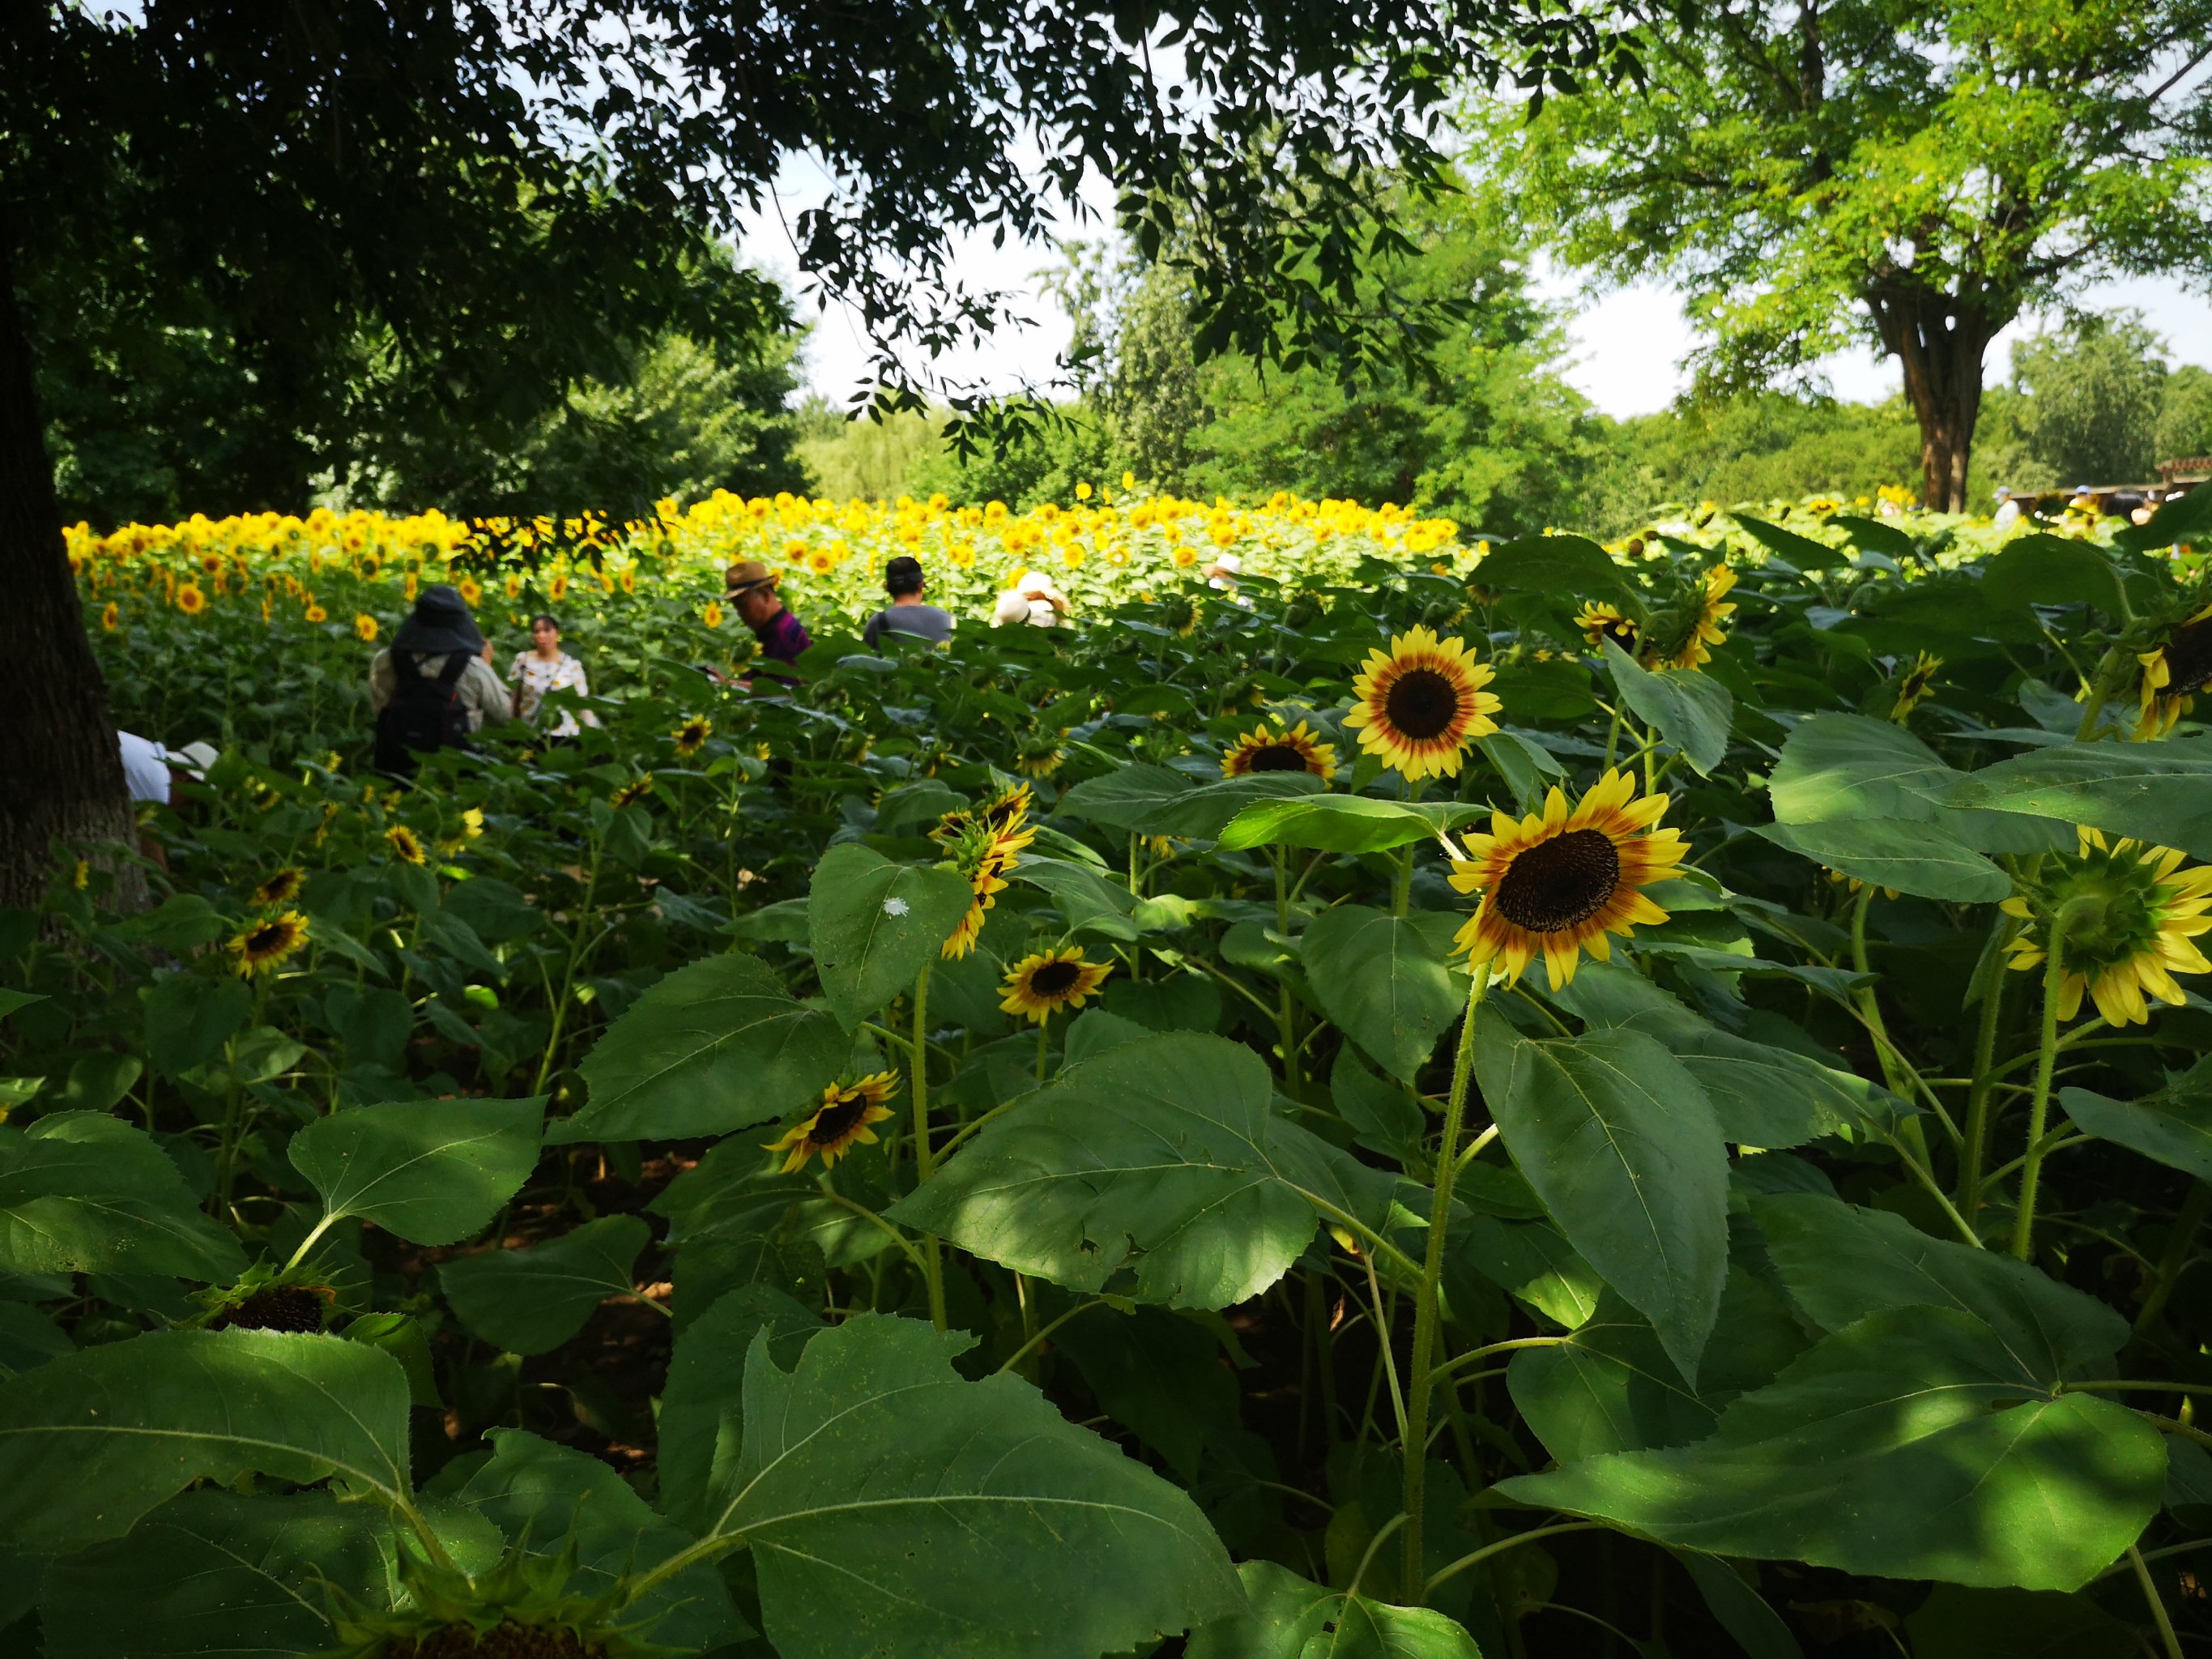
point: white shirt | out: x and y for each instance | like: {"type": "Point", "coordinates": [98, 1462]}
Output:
{"type": "Point", "coordinates": [2008, 513]}
{"type": "Point", "coordinates": [145, 768]}
{"type": "Point", "coordinates": [536, 677]}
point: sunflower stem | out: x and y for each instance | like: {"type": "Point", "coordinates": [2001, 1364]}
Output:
{"type": "Point", "coordinates": [1285, 1009]}
{"type": "Point", "coordinates": [1869, 1009]}
{"type": "Point", "coordinates": [2167, 1639]}
{"type": "Point", "coordinates": [1975, 1152]}
{"type": "Point", "coordinates": [2175, 1257]}
{"type": "Point", "coordinates": [2046, 1055]}
{"type": "Point", "coordinates": [1420, 1379]}
{"type": "Point", "coordinates": [925, 1161]}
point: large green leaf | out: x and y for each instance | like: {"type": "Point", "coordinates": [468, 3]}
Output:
{"type": "Point", "coordinates": [1848, 766]}
{"type": "Point", "coordinates": [82, 1192]}
{"type": "Point", "coordinates": [1908, 1445]}
{"type": "Point", "coordinates": [533, 1300]}
{"type": "Point", "coordinates": [1344, 823]}
{"type": "Point", "coordinates": [2160, 793]}
{"type": "Point", "coordinates": [2177, 520]}
{"type": "Point", "coordinates": [1288, 1617]}
{"type": "Point", "coordinates": [2046, 569]}
{"type": "Point", "coordinates": [1158, 1168]}
{"type": "Point", "coordinates": [702, 1421]}
{"type": "Point", "coordinates": [2173, 1125]}
{"type": "Point", "coordinates": [90, 1442]}
{"type": "Point", "coordinates": [894, 1509]}
{"type": "Point", "coordinates": [1620, 1143]}
{"type": "Point", "coordinates": [211, 1572]}
{"type": "Point", "coordinates": [1922, 858]}
{"type": "Point", "coordinates": [874, 925]}
{"type": "Point", "coordinates": [1563, 567]}
{"type": "Point", "coordinates": [730, 1221]}
{"type": "Point", "coordinates": [189, 1018]}
{"type": "Point", "coordinates": [1956, 1623]}
{"type": "Point", "coordinates": [433, 1171]}
{"type": "Point", "coordinates": [1801, 551]}
{"type": "Point", "coordinates": [544, 1497]}
{"type": "Point", "coordinates": [717, 1045]}
{"type": "Point", "coordinates": [1384, 983]}
{"type": "Point", "coordinates": [1692, 711]}
{"type": "Point", "coordinates": [1088, 902]}
{"type": "Point", "coordinates": [1608, 1387]}
{"type": "Point", "coordinates": [1840, 1263]}
{"type": "Point", "coordinates": [1152, 800]}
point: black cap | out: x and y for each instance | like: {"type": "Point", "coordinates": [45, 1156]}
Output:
{"type": "Point", "coordinates": [441, 621]}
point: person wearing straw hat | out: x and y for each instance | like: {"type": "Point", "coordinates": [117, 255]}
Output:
{"type": "Point", "coordinates": [435, 684]}
{"type": "Point", "coordinates": [749, 586]}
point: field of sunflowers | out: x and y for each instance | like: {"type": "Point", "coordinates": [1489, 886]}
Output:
{"type": "Point", "coordinates": [1428, 1098]}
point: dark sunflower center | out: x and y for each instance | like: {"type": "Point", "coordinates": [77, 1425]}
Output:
{"type": "Point", "coordinates": [261, 940]}
{"type": "Point", "coordinates": [1277, 757]}
{"type": "Point", "coordinates": [2189, 657]}
{"type": "Point", "coordinates": [280, 1308]}
{"type": "Point", "coordinates": [1055, 978]}
{"type": "Point", "coordinates": [837, 1119]}
{"type": "Point", "coordinates": [1560, 882]}
{"type": "Point", "coordinates": [1422, 703]}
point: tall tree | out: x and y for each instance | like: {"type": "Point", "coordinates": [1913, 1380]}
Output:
{"type": "Point", "coordinates": [1816, 173]}
{"type": "Point", "coordinates": [504, 182]}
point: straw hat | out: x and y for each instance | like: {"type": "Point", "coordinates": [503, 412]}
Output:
{"type": "Point", "coordinates": [749, 573]}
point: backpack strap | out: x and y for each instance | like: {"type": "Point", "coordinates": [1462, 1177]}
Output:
{"type": "Point", "coordinates": [457, 664]}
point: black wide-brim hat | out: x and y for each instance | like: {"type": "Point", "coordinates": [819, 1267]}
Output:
{"type": "Point", "coordinates": [441, 621]}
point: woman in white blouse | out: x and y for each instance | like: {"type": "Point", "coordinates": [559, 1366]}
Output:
{"type": "Point", "coordinates": [546, 667]}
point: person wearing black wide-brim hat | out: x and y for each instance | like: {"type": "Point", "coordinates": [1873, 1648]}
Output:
{"type": "Point", "coordinates": [433, 684]}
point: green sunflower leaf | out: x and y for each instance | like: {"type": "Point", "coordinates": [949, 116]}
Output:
{"type": "Point", "coordinates": [1801, 551]}
{"type": "Point", "coordinates": [2046, 569]}
{"type": "Point", "coordinates": [1568, 567]}
{"type": "Point", "coordinates": [873, 926]}
{"type": "Point", "coordinates": [432, 1171]}
{"type": "Point", "coordinates": [82, 1192]}
{"type": "Point", "coordinates": [1383, 982]}
{"type": "Point", "coordinates": [2160, 793]}
{"type": "Point", "coordinates": [1692, 711]}
{"type": "Point", "coordinates": [1344, 823]}
{"type": "Point", "coordinates": [1922, 858]}
{"type": "Point", "coordinates": [1620, 1141]}
{"type": "Point", "coordinates": [92, 1441]}
{"type": "Point", "coordinates": [1911, 1444]}
{"type": "Point", "coordinates": [2014, 1623]}
{"type": "Point", "coordinates": [532, 1301]}
{"type": "Point", "coordinates": [1157, 1169]}
{"type": "Point", "coordinates": [212, 1572]}
{"type": "Point", "coordinates": [1287, 1617]}
{"type": "Point", "coordinates": [895, 1509]}
{"type": "Point", "coordinates": [715, 1046]}
{"type": "Point", "coordinates": [1151, 800]}
{"type": "Point", "coordinates": [2173, 1125]}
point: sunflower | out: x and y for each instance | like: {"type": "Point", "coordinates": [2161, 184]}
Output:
{"type": "Point", "coordinates": [1704, 629]}
{"type": "Point", "coordinates": [1038, 987]}
{"type": "Point", "coordinates": [472, 592]}
{"type": "Point", "coordinates": [632, 791]}
{"type": "Point", "coordinates": [282, 887]}
{"type": "Point", "coordinates": [1556, 882]}
{"type": "Point", "coordinates": [364, 628]}
{"type": "Point", "coordinates": [1914, 684]}
{"type": "Point", "coordinates": [691, 737]}
{"type": "Point", "coordinates": [711, 614]}
{"type": "Point", "coordinates": [1299, 750]}
{"type": "Point", "coordinates": [315, 613]}
{"type": "Point", "coordinates": [1418, 706]}
{"type": "Point", "coordinates": [840, 1123]}
{"type": "Point", "coordinates": [1600, 622]}
{"type": "Point", "coordinates": [268, 942]}
{"type": "Point", "coordinates": [2174, 674]}
{"type": "Point", "coordinates": [1040, 759]}
{"type": "Point", "coordinates": [984, 844]}
{"type": "Point", "coordinates": [2132, 912]}
{"type": "Point", "coordinates": [190, 600]}
{"type": "Point", "coordinates": [111, 616]}
{"type": "Point", "coordinates": [405, 847]}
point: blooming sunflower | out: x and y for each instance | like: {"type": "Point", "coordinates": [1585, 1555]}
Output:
{"type": "Point", "coordinates": [691, 737]}
{"type": "Point", "coordinates": [840, 1123]}
{"type": "Point", "coordinates": [1299, 750]}
{"type": "Point", "coordinates": [711, 614]}
{"type": "Point", "coordinates": [1038, 987]}
{"type": "Point", "coordinates": [1040, 760]}
{"type": "Point", "coordinates": [1418, 706]}
{"type": "Point", "coordinates": [1557, 883]}
{"type": "Point", "coordinates": [265, 945]}
{"type": "Point", "coordinates": [111, 616]}
{"type": "Point", "coordinates": [984, 844]}
{"type": "Point", "coordinates": [1600, 622]}
{"type": "Point", "coordinates": [190, 600]}
{"type": "Point", "coordinates": [1704, 630]}
{"type": "Point", "coordinates": [405, 847]}
{"type": "Point", "coordinates": [472, 592]}
{"type": "Point", "coordinates": [632, 791]}
{"type": "Point", "coordinates": [2174, 674]}
{"type": "Point", "coordinates": [364, 628]}
{"type": "Point", "coordinates": [2132, 911]}
{"type": "Point", "coordinates": [315, 613]}
{"type": "Point", "coordinates": [1914, 684]}
{"type": "Point", "coordinates": [282, 887]}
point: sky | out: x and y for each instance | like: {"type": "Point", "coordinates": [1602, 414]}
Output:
{"type": "Point", "coordinates": [1626, 356]}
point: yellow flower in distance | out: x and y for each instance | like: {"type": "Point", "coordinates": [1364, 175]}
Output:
{"type": "Point", "coordinates": [1600, 623]}
{"type": "Point", "coordinates": [1299, 750]}
{"type": "Point", "coordinates": [1418, 706]}
{"type": "Point", "coordinates": [2171, 675]}
{"type": "Point", "coordinates": [282, 887]}
{"type": "Point", "coordinates": [1038, 987]}
{"type": "Point", "coordinates": [1914, 684]}
{"type": "Point", "coordinates": [2132, 912]}
{"type": "Point", "coordinates": [1706, 632]}
{"type": "Point", "coordinates": [1556, 882]}
{"type": "Point", "coordinates": [691, 737]}
{"type": "Point", "coordinates": [711, 614]}
{"type": "Point", "coordinates": [405, 847]}
{"type": "Point", "coordinates": [364, 628]}
{"type": "Point", "coordinates": [264, 946]}
{"type": "Point", "coordinates": [315, 613]}
{"type": "Point", "coordinates": [190, 600]}
{"type": "Point", "coordinates": [840, 1123]}
{"type": "Point", "coordinates": [111, 616]}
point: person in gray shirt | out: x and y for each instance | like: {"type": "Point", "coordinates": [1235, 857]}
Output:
{"type": "Point", "coordinates": [906, 613]}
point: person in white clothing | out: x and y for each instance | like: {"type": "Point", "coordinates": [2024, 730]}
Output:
{"type": "Point", "coordinates": [1032, 598]}
{"type": "Point", "coordinates": [2008, 513]}
{"type": "Point", "coordinates": [546, 667]}
{"type": "Point", "coordinates": [148, 767]}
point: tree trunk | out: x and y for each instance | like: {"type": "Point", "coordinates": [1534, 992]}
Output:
{"type": "Point", "coordinates": [1939, 340]}
{"type": "Point", "coordinates": [61, 774]}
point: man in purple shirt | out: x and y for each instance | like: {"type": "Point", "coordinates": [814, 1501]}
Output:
{"type": "Point", "coordinates": [751, 590]}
